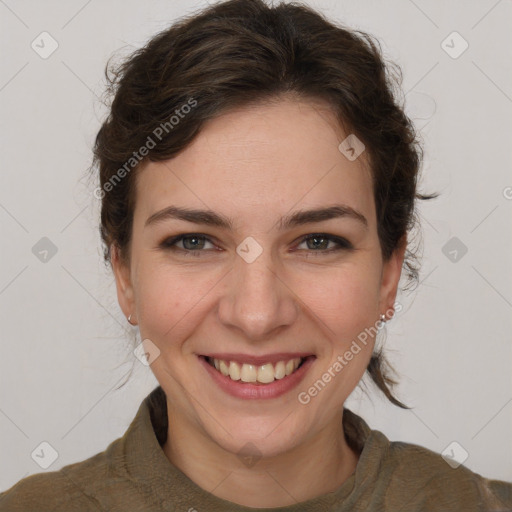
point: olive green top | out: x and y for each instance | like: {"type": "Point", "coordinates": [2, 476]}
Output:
{"type": "Point", "coordinates": [134, 475]}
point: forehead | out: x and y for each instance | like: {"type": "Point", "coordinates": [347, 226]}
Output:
{"type": "Point", "coordinates": [259, 160]}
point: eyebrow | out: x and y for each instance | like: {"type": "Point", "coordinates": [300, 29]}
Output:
{"type": "Point", "coordinates": [210, 218]}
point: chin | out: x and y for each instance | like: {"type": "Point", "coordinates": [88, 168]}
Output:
{"type": "Point", "coordinates": [256, 437]}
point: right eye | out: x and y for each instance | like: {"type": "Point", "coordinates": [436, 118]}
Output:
{"type": "Point", "coordinates": [192, 242]}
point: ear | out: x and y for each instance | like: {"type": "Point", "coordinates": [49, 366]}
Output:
{"type": "Point", "coordinates": [125, 294]}
{"type": "Point", "coordinates": [391, 271]}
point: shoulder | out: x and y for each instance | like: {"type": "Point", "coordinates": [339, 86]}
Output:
{"type": "Point", "coordinates": [114, 479]}
{"type": "Point", "coordinates": [75, 487]}
{"type": "Point", "coordinates": [54, 490]}
{"type": "Point", "coordinates": [427, 481]}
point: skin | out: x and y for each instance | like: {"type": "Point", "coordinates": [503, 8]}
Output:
{"type": "Point", "coordinates": [255, 165]}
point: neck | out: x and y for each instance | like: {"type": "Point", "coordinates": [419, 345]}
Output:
{"type": "Point", "coordinates": [318, 466]}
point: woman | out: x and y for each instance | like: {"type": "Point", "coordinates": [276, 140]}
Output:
{"type": "Point", "coordinates": [258, 184]}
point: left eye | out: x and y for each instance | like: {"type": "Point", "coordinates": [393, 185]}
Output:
{"type": "Point", "coordinates": [319, 242]}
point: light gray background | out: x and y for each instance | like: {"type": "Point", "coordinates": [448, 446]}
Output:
{"type": "Point", "coordinates": [65, 343]}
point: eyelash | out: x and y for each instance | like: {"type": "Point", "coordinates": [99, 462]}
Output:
{"type": "Point", "coordinates": [343, 244]}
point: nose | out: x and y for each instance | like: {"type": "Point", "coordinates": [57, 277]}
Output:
{"type": "Point", "coordinates": [256, 300]}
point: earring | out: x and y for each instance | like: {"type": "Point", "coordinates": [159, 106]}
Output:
{"type": "Point", "coordinates": [382, 318]}
{"type": "Point", "coordinates": [130, 320]}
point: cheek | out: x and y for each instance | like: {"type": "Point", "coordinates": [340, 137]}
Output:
{"type": "Point", "coordinates": [345, 299]}
{"type": "Point", "coordinates": [346, 303]}
{"type": "Point", "coordinates": [169, 301]}
{"type": "Point", "coordinates": [173, 301]}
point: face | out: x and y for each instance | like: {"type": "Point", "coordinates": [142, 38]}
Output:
{"type": "Point", "coordinates": [249, 284]}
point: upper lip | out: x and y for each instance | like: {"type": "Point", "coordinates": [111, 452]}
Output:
{"type": "Point", "coordinates": [257, 360]}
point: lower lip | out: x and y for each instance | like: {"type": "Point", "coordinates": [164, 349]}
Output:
{"type": "Point", "coordinates": [247, 390]}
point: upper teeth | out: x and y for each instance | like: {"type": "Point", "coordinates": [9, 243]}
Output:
{"type": "Point", "coordinates": [265, 373]}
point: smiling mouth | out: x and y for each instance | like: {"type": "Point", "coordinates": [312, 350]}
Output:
{"type": "Point", "coordinates": [257, 374]}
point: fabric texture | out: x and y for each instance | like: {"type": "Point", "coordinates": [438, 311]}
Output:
{"type": "Point", "coordinates": [133, 474]}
